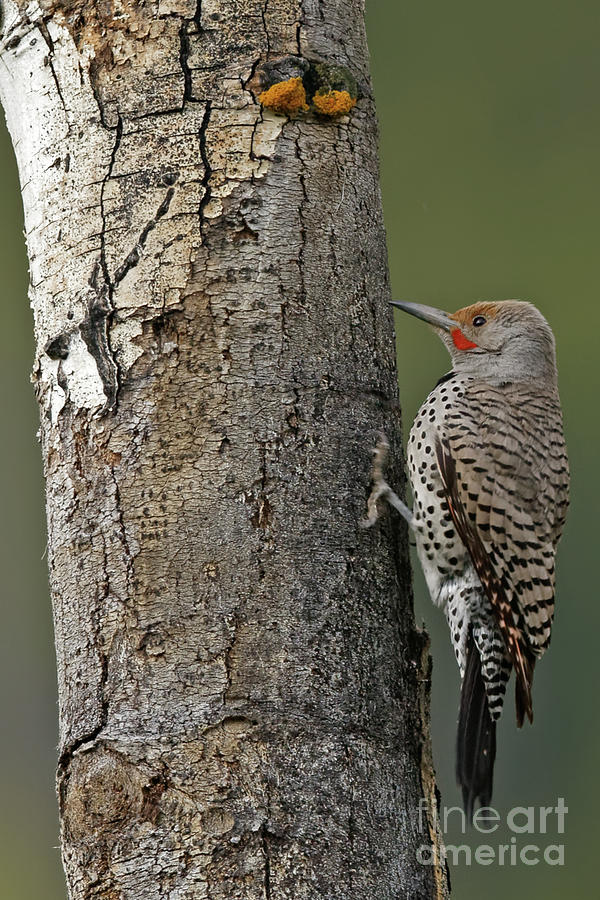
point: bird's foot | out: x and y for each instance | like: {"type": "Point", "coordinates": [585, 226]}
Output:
{"type": "Point", "coordinates": [381, 489]}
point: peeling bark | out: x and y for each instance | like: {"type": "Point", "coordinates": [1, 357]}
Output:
{"type": "Point", "coordinates": [243, 693]}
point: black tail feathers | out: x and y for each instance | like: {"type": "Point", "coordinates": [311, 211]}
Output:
{"type": "Point", "coordinates": [524, 679]}
{"type": "Point", "coordinates": [476, 738]}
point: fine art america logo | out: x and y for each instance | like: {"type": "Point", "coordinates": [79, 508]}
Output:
{"type": "Point", "coordinates": [531, 828]}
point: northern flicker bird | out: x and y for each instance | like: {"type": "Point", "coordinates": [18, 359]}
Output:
{"type": "Point", "coordinates": [490, 482]}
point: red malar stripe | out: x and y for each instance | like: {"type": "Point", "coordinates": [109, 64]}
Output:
{"type": "Point", "coordinates": [460, 341]}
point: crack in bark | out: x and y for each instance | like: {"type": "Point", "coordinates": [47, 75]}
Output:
{"type": "Point", "coordinates": [95, 332]}
{"type": "Point", "coordinates": [205, 181]}
{"type": "Point", "coordinates": [198, 15]}
{"type": "Point", "coordinates": [122, 532]}
{"type": "Point", "coordinates": [267, 858]}
{"type": "Point", "coordinates": [184, 53]}
{"type": "Point", "coordinates": [43, 29]}
{"type": "Point", "coordinates": [89, 737]}
{"type": "Point", "coordinates": [249, 80]}
{"type": "Point", "coordinates": [301, 249]}
{"type": "Point", "coordinates": [105, 180]}
{"type": "Point", "coordinates": [266, 30]}
{"type": "Point", "coordinates": [258, 121]}
{"type": "Point", "coordinates": [133, 257]}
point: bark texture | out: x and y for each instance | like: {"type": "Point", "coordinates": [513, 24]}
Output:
{"type": "Point", "coordinates": [243, 693]}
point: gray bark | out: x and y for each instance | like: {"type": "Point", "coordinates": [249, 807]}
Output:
{"type": "Point", "coordinates": [243, 693]}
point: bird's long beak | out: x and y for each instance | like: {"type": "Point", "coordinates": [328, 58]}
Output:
{"type": "Point", "coordinates": [430, 314]}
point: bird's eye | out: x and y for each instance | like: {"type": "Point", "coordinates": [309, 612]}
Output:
{"type": "Point", "coordinates": [479, 320]}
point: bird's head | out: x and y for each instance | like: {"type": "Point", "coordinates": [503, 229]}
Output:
{"type": "Point", "coordinates": [506, 341]}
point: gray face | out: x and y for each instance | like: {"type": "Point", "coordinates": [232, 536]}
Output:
{"type": "Point", "coordinates": [508, 341]}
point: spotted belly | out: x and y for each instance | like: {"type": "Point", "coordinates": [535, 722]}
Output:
{"type": "Point", "coordinates": [442, 553]}
{"type": "Point", "coordinates": [453, 584]}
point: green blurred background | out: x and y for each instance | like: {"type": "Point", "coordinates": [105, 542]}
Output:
{"type": "Point", "coordinates": [490, 147]}
{"type": "Point", "coordinates": [490, 154]}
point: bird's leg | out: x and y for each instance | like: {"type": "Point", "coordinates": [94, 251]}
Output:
{"type": "Point", "coordinates": [381, 489]}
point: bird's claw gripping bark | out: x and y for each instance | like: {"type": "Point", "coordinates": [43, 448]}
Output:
{"type": "Point", "coordinates": [381, 488]}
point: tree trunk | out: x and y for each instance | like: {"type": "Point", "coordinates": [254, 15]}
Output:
{"type": "Point", "coordinates": [243, 693]}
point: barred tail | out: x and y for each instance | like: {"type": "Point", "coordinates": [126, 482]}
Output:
{"type": "Point", "coordinates": [476, 737]}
